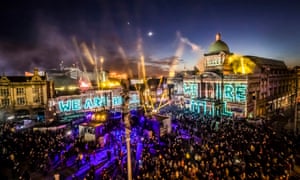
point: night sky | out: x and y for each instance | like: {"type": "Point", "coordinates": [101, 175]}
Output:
{"type": "Point", "coordinates": [43, 33]}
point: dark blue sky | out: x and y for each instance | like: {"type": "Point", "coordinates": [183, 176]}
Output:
{"type": "Point", "coordinates": [39, 33]}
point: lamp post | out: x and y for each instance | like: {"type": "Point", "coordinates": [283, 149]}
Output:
{"type": "Point", "coordinates": [127, 132]}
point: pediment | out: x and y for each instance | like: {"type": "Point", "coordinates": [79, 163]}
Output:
{"type": "Point", "coordinates": [36, 78]}
{"type": "Point", "coordinates": [4, 79]}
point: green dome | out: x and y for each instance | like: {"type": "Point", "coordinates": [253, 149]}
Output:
{"type": "Point", "coordinates": [218, 46]}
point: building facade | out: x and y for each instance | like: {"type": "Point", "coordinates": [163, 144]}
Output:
{"type": "Point", "coordinates": [240, 86]}
{"type": "Point", "coordinates": [297, 71]}
{"type": "Point", "coordinates": [25, 96]}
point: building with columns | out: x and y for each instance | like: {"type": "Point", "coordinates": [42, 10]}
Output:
{"type": "Point", "coordinates": [239, 86]}
{"type": "Point", "coordinates": [25, 96]}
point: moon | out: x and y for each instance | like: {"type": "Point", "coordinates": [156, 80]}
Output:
{"type": "Point", "coordinates": [150, 33]}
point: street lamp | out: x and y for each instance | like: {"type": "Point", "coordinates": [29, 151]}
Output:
{"type": "Point", "coordinates": [126, 114]}
{"type": "Point", "coordinates": [101, 65]}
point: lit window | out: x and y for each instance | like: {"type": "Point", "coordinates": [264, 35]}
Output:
{"type": "Point", "coordinates": [35, 90]}
{"type": "Point", "coordinates": [20, 91]}
{"type": "Point", "coordinates": [36, 93]}
{"type": "Point", "coordinates": [21, 101]}
{"type": "Point", "coordinates": [4, 92]}
{"type": "Point", "coordinates": [5, 102]}
{"type": "Point", "coordinates": [36, 99]}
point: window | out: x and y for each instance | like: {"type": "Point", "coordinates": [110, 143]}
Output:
{"type": "Point", "coordinates": [36, 99]}
{"type": "Point", "coordinates": [5, 102]}
{"type": "Point", "coordinates": [4, 92]}
{"type": "Point", "coordinates": [35, 90]}
{"type": "Point", "coordinates": [21, 101]}
{"type": "Point", "coordinates": [20, 91]}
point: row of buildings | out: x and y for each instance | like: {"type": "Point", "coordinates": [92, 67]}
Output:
{"type": "Point", "coordinates": [24, 96]}
{"type": "Point", "coordinates": [35, 95]}
{"type": "Point", "coordinates": [229, 85]}
{"type": "Point", "coordinates": [239, 86]}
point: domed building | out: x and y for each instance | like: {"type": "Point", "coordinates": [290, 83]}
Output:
{"type": "Point", "coordinates": [239, 86]}
{"type": "Point", "coordinates": [215, 59]}
{"type": "Point", "coordinates": [218, 46]}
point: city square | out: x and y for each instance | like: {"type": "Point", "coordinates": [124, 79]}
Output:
{"type": "Point", "coordinates": [140, 90]}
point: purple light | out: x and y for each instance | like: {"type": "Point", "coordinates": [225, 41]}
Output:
{"type": "Point", "coordinates": [89, 115]}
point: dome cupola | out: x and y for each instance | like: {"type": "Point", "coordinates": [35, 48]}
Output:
{"type": "Point", "coordinates": [218, 46]}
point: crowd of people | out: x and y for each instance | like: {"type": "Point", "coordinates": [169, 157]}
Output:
{"type": "Point", "coordinates": [198, 147]}
{"type": "Point", "coordinates": [27, 151]}
{"type": "Point", "coordinates": [49, 150]}
{"type": "Point", "coordinates": [201, 148]}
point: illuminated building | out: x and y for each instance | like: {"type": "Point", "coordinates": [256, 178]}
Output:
{"type": "Point", "coordinates": [67, 108]}
{"type": "Point", "coordinates": [157, 91]}
{"type": "Point", "coordinates": [175, 87]}
{"type": "Point", "coordinates": [65, 80]}
{"type": "Point", "coordinates": [25, 96]}
{"type": "Point", "coordinates": [239, 86]}
{"type": "Point", "coordinates": [151, 93]}
{"type": "Point", "coordinates": [76, 96]}
{"type": "Point", "coordinates": [297, 71]}
{"type": "Point", "coordinates": [64, 85]}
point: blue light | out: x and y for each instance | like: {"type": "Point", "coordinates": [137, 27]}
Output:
{"type": "Point", "coordinates": [226, 112]}
{"type": "Point", "coordinates": [99, 101]}
{"type": "Point", "coordinates": [196, 106]}
{"type": "Point", "coordinates": [134, 99]}
{"type": "Point", "coordinates": [76, 104]}
{"type": "Point", "coordinates": [228, 92]}
{"type": "Point", "coordinates": [235, 93]}
{"type": "Point", "coordinates": [65, 107]}
{"type": "Point", "coordinates": [117, 100]}
{"type": "Point", "coordinates": [217, 91]}
{"type": "Point", "coordinates": [88, 104]}
{"type": "Point", "coordinates": [241, 93]}
{"type": "Point", "coordinates": [190, 89]}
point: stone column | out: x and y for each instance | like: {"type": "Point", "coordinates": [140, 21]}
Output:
{"type": "Point", "coordinates": [206, 90]}
{"type": "Point", "coordinates": [200, 89]}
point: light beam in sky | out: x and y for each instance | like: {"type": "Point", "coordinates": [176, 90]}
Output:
{"type": "Point", "coordinates": [124, 58]}
{"type": "Point", "coordinates": [80, 58]}
{"type": "Point", "coordinates": [195, 47]}
{"type": "Point", "coordinates": [179, 51]}
{"type": "Point", "coordinates": [87, 54]}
